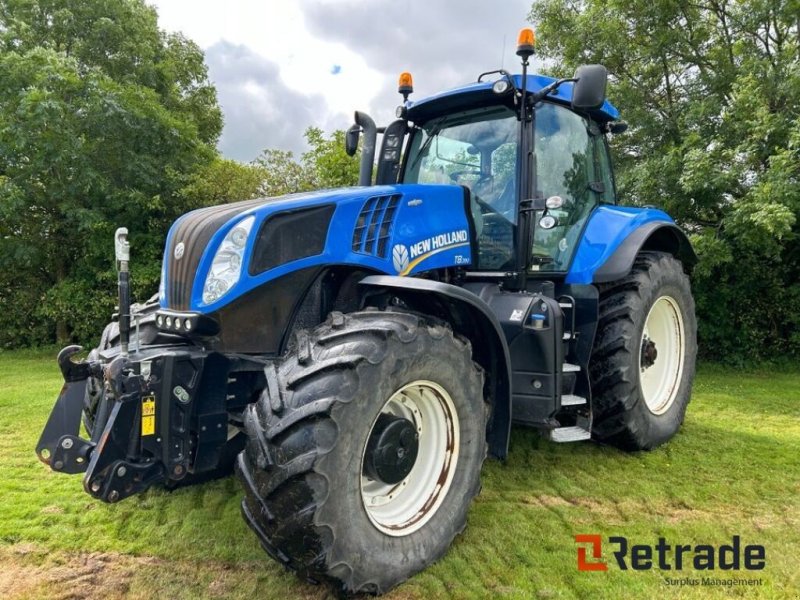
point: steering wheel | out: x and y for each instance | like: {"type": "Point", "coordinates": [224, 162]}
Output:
{"type": "Point", "coordinates": [456, 174]}
{"type": "Point", "coordinates": [487, 210]}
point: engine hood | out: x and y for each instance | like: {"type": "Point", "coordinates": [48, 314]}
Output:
{"type": "Point", "coordinates": [396, 229]}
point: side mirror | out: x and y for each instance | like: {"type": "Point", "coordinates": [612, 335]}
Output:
{"type": "Point", "coordinates": [351, 140]}
{"type": "Point", "coordinates": [589, 91]}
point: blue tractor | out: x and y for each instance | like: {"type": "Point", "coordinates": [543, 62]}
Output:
{"type": "Point", "coordinates": [356, 353]}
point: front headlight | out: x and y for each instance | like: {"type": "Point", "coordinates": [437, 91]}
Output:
{"type": "Point", "coordinates": [226, 268]}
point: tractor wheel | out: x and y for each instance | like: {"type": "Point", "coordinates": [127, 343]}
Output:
{"type": "Point", "coordinates": [365, 449]}
{"type": "Point", "coordinates": [643, 362]}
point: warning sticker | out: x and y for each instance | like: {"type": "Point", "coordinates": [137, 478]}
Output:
{"type": "Point", "coordinates": [149, 415]}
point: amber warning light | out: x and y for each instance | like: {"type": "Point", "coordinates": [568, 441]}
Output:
{"type": "Point", "coordinates": [405, 85]}
{"type": "Point", "coordinates": [526, 42]}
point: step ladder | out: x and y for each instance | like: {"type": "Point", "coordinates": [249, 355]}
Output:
{"type": "Point", "coordinates": [573, 433]}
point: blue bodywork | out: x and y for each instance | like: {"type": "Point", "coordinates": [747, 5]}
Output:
{"type": "Point", "coordinates": [429, 231]}
{"type": "Point", "coordinates": [607, 228]}
{"type": "Point", "coordinates": [563, 95]}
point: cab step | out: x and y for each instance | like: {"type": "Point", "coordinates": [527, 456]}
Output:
{"type": "Point", "coordinates": [575, 433]}
{"type": "Point", "coordinates": [572, 400]}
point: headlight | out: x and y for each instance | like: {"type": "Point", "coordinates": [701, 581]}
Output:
{"type": "Point", "coordinates": [226, 268]}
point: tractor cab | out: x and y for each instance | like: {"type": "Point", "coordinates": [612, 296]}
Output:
{"type": "Point", "coordinates": [480, 149]}
{"type": "Point", "coordinates": [534, 163]}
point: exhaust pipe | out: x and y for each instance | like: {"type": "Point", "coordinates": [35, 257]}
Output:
{"type": "Point", "coordinates": [367, 125]}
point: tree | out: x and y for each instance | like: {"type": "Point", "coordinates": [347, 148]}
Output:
{"type": "Point", "coordinates": [711, 90]}
{"type": "Point", "coordinates": [224, 180]}
{"type": "Point", "coordinates": [325, 165]}
{"type": "Point", "coordinates": [103, 119]}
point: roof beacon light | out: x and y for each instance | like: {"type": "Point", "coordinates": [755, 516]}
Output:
{"type": "Point", "coordinates": [526, 42]}
{"type": "Point", "coordinates": [405, 85]}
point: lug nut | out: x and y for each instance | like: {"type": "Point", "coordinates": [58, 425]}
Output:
{"type": "Point", "coordinates": [121, 472]}
{"type": "Point", "coordinates": [66, 444]}
{"type": "Point", "coordinates": [58, 465]}
{"type": "Point", "coordinates": [113, 496]}
{"type": "Point", "coordinates": [95, 487]}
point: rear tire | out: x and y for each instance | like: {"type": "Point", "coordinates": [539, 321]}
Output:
{"type": "Point", "coordinates": [305, 467]}
{"type": "Point", "coordinates": [643, 361]}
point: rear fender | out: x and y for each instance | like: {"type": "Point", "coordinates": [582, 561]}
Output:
{"type": "Point", "coordinates": [614, 236]}
{"type": "Point", "coordinates": [472, 318]}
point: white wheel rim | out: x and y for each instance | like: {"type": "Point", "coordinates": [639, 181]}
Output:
{"type": "Point", "coordinates": [403, 508]}
{"type": "Point", "coordinates": [660, 376]}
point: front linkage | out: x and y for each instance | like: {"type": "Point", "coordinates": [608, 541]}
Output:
{"type": "Point", "coordinates": [141, 436]}
{"type": "Point", "coordinates": [162, 413]}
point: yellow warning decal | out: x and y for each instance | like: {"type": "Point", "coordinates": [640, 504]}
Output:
{"type": "Point", "coordinates": [149, 415]}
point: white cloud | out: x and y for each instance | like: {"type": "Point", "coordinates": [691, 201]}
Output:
{"type": "Point", "coordinates": [275, 63]}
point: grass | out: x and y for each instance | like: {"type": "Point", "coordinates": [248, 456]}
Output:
{"type": "Point", "coordinates": [734, 469]}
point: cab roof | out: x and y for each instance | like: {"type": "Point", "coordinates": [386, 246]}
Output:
{"type": "Point", "coordinates": [478, 94]}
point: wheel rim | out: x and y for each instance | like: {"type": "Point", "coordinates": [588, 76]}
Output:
{"type": "Point", "coordinates": [661, 353]}
{"type": "Point", "coordinates": [403, 508]}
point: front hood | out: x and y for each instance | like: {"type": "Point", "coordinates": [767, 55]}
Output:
{"type": "Point", "coordinates": [397, 229]}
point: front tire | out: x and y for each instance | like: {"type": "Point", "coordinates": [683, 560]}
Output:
{"type": "Point", "coordinates": [643, 361]}
{"type": "Point", "coordinates": [323, 491]}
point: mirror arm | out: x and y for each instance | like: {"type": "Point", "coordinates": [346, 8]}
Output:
{"type": "Point", "coordinates": [536, 97]}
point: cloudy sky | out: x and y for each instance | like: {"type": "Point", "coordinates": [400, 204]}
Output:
{"type": "Point", "coordinates": [282, 65]}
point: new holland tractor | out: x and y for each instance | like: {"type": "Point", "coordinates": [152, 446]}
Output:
{"type": "Point", "coordinates": [356, 353]}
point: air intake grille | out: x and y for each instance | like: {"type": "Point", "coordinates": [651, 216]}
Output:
{"type": "Point", "coordinates": [374, 225]}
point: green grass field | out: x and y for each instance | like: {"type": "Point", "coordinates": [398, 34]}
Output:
{"type": "Point", "coordinates": [734, 469]}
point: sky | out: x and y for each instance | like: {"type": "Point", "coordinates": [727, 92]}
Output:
{"type": "Point", "coordinates": [282, 66]}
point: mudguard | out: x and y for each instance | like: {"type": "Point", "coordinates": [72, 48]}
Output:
{"type": "Point", "coordinates": [472, 318]}
{"type": "Point", "coordinates": [614, 236]}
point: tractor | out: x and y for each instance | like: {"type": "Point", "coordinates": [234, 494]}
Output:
{"type": "Point", "coordinates": [355, 354]}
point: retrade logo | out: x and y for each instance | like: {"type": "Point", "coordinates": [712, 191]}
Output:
{"type": "Point", "coordinates": [595, 544]}
{"type": "Point", "coordinates": [664, 556]}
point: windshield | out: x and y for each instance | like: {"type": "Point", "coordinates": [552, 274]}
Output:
{"type": "Point", "coordinates": [476, 149]}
